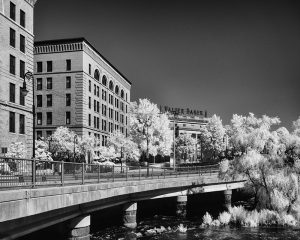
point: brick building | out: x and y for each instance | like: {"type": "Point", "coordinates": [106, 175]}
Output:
{"type": "Point", "coordinates": [16, 58]}
{"type": "Point", "coordinates": [78, 88]}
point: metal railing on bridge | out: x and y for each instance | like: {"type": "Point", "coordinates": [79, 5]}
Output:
{"type": "Point", "coordinates": [18, 173]}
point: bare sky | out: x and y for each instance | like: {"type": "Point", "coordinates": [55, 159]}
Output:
{"type": "Point", "coordinates": [225, 57]}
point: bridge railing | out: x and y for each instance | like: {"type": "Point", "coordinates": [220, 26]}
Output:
{"type": "Point", "coordinates": [28, 173]}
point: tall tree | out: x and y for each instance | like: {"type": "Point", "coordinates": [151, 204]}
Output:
{"type": "Point", "coordinates": [149, 129]}
{"type": "Point", "coordinates": [267, 160]}
{"type": "Point", "coordinates": [212, 136]}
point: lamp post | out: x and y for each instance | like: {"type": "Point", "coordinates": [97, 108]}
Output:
{"type": "Point", "coordinates": [28, 75]}
{"type": "Point", "coordinates": [175, 114]}
{"type": "Point", "coordinates": [75, 141]}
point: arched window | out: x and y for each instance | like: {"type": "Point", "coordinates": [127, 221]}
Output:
{"type": "Point", "coordinates": [104, 80]}
{"type": "Point", "coordinates": [117, 89]}
{"type": "Point", "coordinates": [97, 75]}
{"type": "Point", "coordinates": [111, 86]}
{"type": "Point", "coordinates": [122, 94]}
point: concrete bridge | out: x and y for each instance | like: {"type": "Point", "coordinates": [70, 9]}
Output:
{"type": "Point", "coordinates": [30, 205]}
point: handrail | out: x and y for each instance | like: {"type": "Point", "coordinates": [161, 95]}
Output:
{"type": "Point", "coordinates": [18, 173]}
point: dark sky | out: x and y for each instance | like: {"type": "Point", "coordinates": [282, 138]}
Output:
{"type": "Point", "coordinates": [224, 56]}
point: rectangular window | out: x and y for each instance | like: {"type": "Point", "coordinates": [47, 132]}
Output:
{"type": "Point", "coordinates": [12, 37]}
{"type": "Point", "coordinates": [68, 99]}
{"type": "Point", "coordinates": [22, 124]}
{"type": "Point", "coordinates": [95, 105]}
{"type": "Point", "coordinates": [90, 102]}
{"type": "Point", "coordinates": [39, 84]}
{"type": "Point", "coordinates": [49, 66]}
{"type": "Point", "coordinates": [98, 91]}
{"type": "Point", "coordinates": [22, 69]}
{"type": "Point", "coordinates": [68, 64]}
{"type": "Point", "coordinates": [4, 150]}
{"type": "Point", "coordinates": [12, 92]}
{"type": "Point", "coordinates": [90, 69]}
{"type": "Point", "coordinates": [95, 123]}
{"type": "Point", "coordinates": [39, 100]}
{"type": "Point", "coordinates": [12, 64]}
{"type": "Point", "coordinates": [48, 134]}
{"type": "Point", "coordinates": [22, 18]}
{"type": "Point", "coordinates": [39, 135]}
{"type": "Point", "coordinates": [90, 119]}
{"type": "Point", "coordinates": [12, 122]}
{"type": "Point", "coordinates": [39, 66]}
{"type": "Point", "coordinates": [22, 98]}
{"type": "Point", "coordinates": [12, 11]}
{"type": "Point", "coordinates": [49, 100]}
{"type": "Point", "coordinates": [49, 118]}
{"type": "Point", "coordinates": [39, 118]}
{"type": "Point", "coordinates": [90, 86]}
{"type": "Point", "coordinates": [49, 83]}
{"type": "Point", "coordinates": [68, 82]}
{"type": "Point", "coordinates": [95, 90]}
{"type": "Point", "coordinates": [68, 117]}
{"type": "Point", "coordinates": [98, 106]}
{"type": "Point", "coordinates": [22, 43]}
{"type": "Point", "coordinates": [98, 123]}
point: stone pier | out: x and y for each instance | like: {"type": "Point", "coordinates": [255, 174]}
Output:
{"type": "Point", "coordinates": [79, 228]}
{"type": "Point", "coordinates": [227, 198]}
{"type": "Point", "coordinates": [129, 217]}
{"type": "Point", "coordinates": [181, 206]}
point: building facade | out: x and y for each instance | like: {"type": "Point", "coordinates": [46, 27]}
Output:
{"type": "Point", "coordinates": [78, 88]}
{"type": "Point", "coordinates": [16, 58]}
{"type": "Point", "coordinates": [187, 121]}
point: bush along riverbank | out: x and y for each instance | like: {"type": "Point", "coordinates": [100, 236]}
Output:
{"type": "Point", "coordinates": [238, 216]}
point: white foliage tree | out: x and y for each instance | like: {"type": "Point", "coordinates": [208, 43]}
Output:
{"type": "Point", "coordinates": [150, 129]}
{"type": "Point", "coordinates": [213, 136]}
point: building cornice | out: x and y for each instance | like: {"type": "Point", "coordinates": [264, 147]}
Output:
{"type": "Point", "coordinates": [31, 2]}
{"type": "Point", "coordinates": [68, 45]}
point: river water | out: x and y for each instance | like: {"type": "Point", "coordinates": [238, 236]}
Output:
{"type": "Point", "coordinates": [194, 231]}
{"type": "Point", "coordinates": [156, 213]}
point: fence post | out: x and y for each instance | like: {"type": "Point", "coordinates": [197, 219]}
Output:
{"type": "Point", "coordinates": [99, 173]}
{"type": "Point", "coordinates": [83, 173]}
{"type": "Point", "coordinates": [62, 167]}
{"type": "Point", "coordinates": [126, 173]}
{"type": "Point", "coordinates": [139, 173]}
{"type": "Point", "coordinates": [152, 173]}
{"type": "Point", "coordinates": [33, 172]}
{"type": "Point", "coordinates": [113, 173]}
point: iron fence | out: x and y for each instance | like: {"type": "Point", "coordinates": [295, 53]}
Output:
{"type": "Point", "coordinates": [30, 173]}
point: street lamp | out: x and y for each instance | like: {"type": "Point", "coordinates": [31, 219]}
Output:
{"type": "Point", "coordinates": [75, 141]}
{"type": "Point", "coordinates": [175, 114]}
{"type": "Point", "coordinates": [28, 75]}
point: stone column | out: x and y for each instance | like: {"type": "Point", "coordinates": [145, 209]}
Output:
{"type": "Point", "coordinates": [181, 206]}
{"type": "Point", "coordinates": [129, 217]}
{"type": "Point", "coordinates": [227, 198]}
{"type": "Point", "coordinates": [79, 228]}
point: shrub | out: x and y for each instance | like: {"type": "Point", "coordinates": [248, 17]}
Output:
{"type": "Point", "coordinates": [252, 219]}
{"type": "Point", "coordinates": [288, 220]}
{"type": "Point", "coordinates": [224, 218]}
{"type": "Point", "coordinates": [215, 223]}
{"type": "Point", "coordinates": [207, 219]}
{"type": "Point", "coordinates": [238, 215]}
{"type": "Point", "coordinates": [268, 217]}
